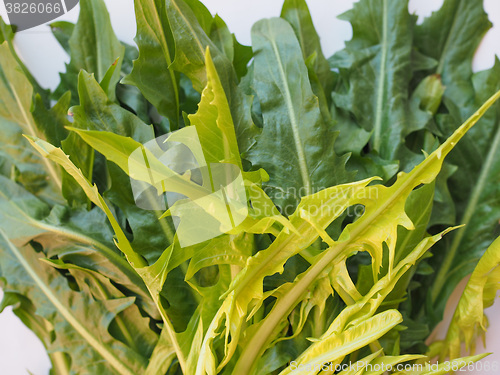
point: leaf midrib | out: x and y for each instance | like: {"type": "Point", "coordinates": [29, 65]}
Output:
{"type": "Point", "coordinates": [293, 119]}
{"type": "Point", "coordinates": [381, 83]}
{"type": "Point", "coordinates": [189, 26]}
{"type": "Point", "coordinates": [372, 333]}
{"type": "Point", "coordinates": [31, 128]}
{"type": "Point", "coordinates": [100, 73]}
{"type": "Point", "coordinates": [467, 217]}
{"type": "Point", "coordinates": [442, 58]}
{"type": "Point", "coordinates": [166, 52]}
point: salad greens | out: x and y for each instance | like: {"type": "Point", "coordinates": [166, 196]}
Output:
{"type": "Point", "coordinates": [369, 187]}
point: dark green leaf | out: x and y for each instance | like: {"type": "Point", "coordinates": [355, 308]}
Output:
{"type": "Point", "coordinates": [51, 122]}
{"type": "Point", "coordinates": [475, 190]}
{"type": "Point", "coordinates": [297, 14]}
{"type": "Point", "coordinates": [152, 73]}
{"type": "Point", "coordinates": [16, 94]}
{"type": "Point", "coordinates": [73, 314]}
{"type": "Point", "coordinates": [25, 218]}
{"type": "Point", "coordinates": [378, 56]}
{"type": "Point", "coordinates": [296, 147]}
{"type": "Point", "coordinates": [93, 47]}
{"type": "Point", "coordinates": [191, 42]}
{"type": "Point", "coordinates": [451, 36]}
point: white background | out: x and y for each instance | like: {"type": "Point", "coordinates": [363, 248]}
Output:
{"type": "Point", "coordinates": [20, 350]}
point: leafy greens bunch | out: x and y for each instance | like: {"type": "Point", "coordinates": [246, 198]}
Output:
{"type": "Point", "coordinates": [332, 263]}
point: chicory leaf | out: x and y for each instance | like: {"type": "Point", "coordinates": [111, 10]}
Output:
{"type": "Point", "coordinates": [296, 146]}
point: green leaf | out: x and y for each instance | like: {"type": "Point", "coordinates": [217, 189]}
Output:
{"type": "Point", "coordinates": [214, 123]}
{"type": "Point", "coordinates": [74, 314]}
{"type": "Point", "coordinates": [297, 14]}
{"type": "Point", "coordinates": [127, 95]}
{"type": "Point", "coordinates": [444, 210]}
{"type": "Point", "coordinates": [161, 276]}
{"type": "Point", "coordinates": [62, 31]}
{"type": "Point", "coordinates": [132, 99]}
{"type": "Point", "coordinates": [223, 251]}
{"type": "Point", "coordinates": [222, 37]}
{"type": "Point", "coordinates": [474, 188]}
{"type": "Point", "coordinates": [19, 162]}
{"type": "Point", "coordinates": [152, 73]}
{"type": "Point", "coordinates": [424, 103]}
{"type": "Point", "coordinates": [97, 112]}
{"type": "Point", "coordinates": [83, 157]}
{"type": "Point", "coordinates": [242, 56]}
{"type": "Point", "coordinates": [57, 155]}
{"type": "Point", "coordinates": [376, 228]}
{"type": "Point", "coordinates": [93, 47]}
{"type": "Point", "coordinates": [210, 272]}
{"type": "Point", "coordinates": [203, 15]}
{"type": "Point", "coordinates": [451, 36]}
{"type": "Point", "coordinates": [25, 218]}
{"type": "Point", "coordinates": [150, 235]}
{"type": "Point", "coordinates": [378, 57]}
{"type": "Point", "coordinates": [295, 147]}
{"type": "Point", "coordinates": [129, 326]}
{"type": "Point", "coordinates": [7, 35]}
{"type": "Point", "coordinates": [338, 346]}
{"type": "Point", "coordinates": [16, 94]}
{"type": "Point", "coordinates": [418, 207]}
{"type": "Point", "coordinates": [6, 32]}
{"type": "Point", "coordinates": [191, 42]}
{"type": "Point", "coordinates": [469, 321]}
{"type": "Point", "coordinates": [226, 42]}
{"type": "Point", "coordinates": [52, 122]}
{"type": "Point", "coordinates": [162, 356]}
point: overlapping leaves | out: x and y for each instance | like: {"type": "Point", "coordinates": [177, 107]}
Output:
{"type": "Point", "coordinates": [317, 285]}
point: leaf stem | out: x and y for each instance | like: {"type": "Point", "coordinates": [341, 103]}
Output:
{"type": "Point", "coordinates": [56, 178]}
{"type": "Point", "coordinates": [60, 363]}
{"type": "Point", "coordinates": [468, 214]}
{"type": "Point", "coordinates": [377, 133]}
